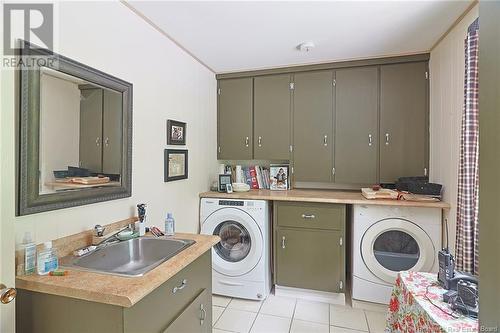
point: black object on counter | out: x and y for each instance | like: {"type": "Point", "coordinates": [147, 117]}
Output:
{"type": "Point", "coordinates": [419, 185]}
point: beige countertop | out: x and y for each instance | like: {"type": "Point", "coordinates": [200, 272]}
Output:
{"type": "Point", "coordinates": [326, 196]}
{"type": "Point", "coordinates": [117, 290]}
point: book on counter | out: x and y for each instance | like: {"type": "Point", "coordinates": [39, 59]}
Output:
{"type": "Point", "coordinates": [260, 177]}
{"type": "Point", "coordinates": [256, 177]}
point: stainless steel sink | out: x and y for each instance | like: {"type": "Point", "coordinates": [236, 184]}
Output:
{"type": "Point", "coordinates": [134, 257]}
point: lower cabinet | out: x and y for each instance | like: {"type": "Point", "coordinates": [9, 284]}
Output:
{"type": "Point", "coordinates": [183, 304]}
{"type": "Point", "coordinates": [309, 246]}
{"type": "Point", "coordinates": [309, 259]}
{"type": "Point", "coordinates": [194, 318]}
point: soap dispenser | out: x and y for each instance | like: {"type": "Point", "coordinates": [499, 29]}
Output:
{"type": "Point", "coordinates": [141, 213]}
{"type": "Point", "coordinates": [47, 259]}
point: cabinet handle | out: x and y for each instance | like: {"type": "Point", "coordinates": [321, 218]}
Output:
{"type": "Point", "coordinates": [260, 141]}
{"type": "Point", "coordinates": [386, 139]}
{"type": "Point", "coordinates": [246, 141]}
{"type": "Point", "coordinates": [370, 140]}
{"type": "Point", "coordinates": [106, 142]}
{"type": "Point", "coordinates": [325, 140]}
{"type": "Point", "coordinates": [179, 287]}
{"type": "Point", "coordinates": [283, 242]}
{"type": "Point", "coordinates": [98, 141]}
{"type": "Point", "coordinates": [308, 216]}
{"type": "Point", "coordinates": [425, 171]}
{"type": "Point", "coordinates": [203, 314]}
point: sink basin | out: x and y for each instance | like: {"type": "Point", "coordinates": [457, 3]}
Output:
{"type": "Point", "coordinates": [134, 257]}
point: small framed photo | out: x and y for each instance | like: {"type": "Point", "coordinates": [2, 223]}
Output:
{"type": "Point", "coordinates": [278, 175]}
{"type": "Point", "coordinates": [176, 132]}
{"type": "Point", "coordinates": [176, 164]}
{"type": "Point", "coordinates": [224, 180]}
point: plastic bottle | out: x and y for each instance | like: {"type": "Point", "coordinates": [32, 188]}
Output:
{"type": "Point", "coordinates": [47, 259]}
{"type": "Point", "coordinates": [28, 248]}
{"type": "Point", "coordinates": [169, 225]}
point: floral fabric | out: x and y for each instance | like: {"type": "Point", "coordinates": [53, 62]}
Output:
{"type": "Point", "coordinates": [411, 311]}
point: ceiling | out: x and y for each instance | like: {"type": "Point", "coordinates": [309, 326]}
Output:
{"type": "Point", "coordinates": [236, 36]}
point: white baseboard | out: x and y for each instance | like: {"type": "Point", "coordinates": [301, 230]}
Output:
{"type": "Point", "coordinates": [310, 295]}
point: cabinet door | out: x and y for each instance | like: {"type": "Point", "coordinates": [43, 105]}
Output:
{"type": "Point", "coordinates": [196, 317]}
{"type": "Point", "coordinates": [91, 129]}
{"type": "Point", "coordinates": [235, 119]}
{"type": "Point", "coordinates": [166, 303]}
{"type": "Point", "coordinates": [403, 121]}
{"type": "Point", "coordinates": [312, 126]}
{"type": "Point", "coordinates": [309, 259]}
{"type": "Point", "coordinates": [112, 133]}
{"type": "Point", "coordinates": [272, 117]}
{"type": "Point", "coordinates": [356, 125]}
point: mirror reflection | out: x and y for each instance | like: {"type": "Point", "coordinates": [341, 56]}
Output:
{"type": "Point", "coordinates": [80, 134]}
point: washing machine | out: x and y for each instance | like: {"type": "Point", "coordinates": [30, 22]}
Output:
{"type": "Point", "coordinates": [241, 264]}
{"type": "Point", "coordinates": [390, 239]}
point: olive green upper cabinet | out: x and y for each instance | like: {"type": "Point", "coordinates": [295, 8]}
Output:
{"type": "Point", "coordinates": [91, 129]}
{"type": "Point", "coordinates": [272, 117]}
{"type": "Point", "coordinates": [112, 134]}
{"type": "Point", "coordinates": [235, 103]}
{"type": "Point", "coordinates": [403, 121]}
{"type": "Point", "coordinates": [313, 126]}
{"type": "Point", "coordinates": [356, 125]}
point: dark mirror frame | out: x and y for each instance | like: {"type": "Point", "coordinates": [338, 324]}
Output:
{"type": "Point", "coordinates": [29, 201]}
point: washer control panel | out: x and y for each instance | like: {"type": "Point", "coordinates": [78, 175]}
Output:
{"type": "Point", "coordinates": [231, 203]}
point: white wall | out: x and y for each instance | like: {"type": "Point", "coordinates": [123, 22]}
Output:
{"type": "Point", "coordinates": [59, 127]}
{"type": "Point", "coordinates": [167, 84]}
{"type": "Point", "coordinates": [447, 68]}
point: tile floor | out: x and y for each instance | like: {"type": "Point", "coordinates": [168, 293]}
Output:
{"type": "Point", "coordinates": [289, 315]}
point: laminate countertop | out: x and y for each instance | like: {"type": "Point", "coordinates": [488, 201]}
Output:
{"type": "Point", "coordinates": [325, 196]}
{"type": "Point", "coordinates": [117, 290]}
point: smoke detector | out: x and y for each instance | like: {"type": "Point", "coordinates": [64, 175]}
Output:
{"type": "Point", "coordinates": [305, 46]}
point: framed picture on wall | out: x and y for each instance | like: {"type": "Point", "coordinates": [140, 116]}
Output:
{"type": "Point", "coordinates": [176, 132]}
{"type": "Point", "coordinates": [175, 164]}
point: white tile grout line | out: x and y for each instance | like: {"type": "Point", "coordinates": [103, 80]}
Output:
{"type": "Point", "coordinates": [253, 322]}
{"type": "Point", "coordinates": [329, 316]}
{"type": "Point", "coordinates": [367, 322]}
{"type": "Point", "coordinates": [293, 316]}
{"type": "Point", "coordinates": [225, 307]}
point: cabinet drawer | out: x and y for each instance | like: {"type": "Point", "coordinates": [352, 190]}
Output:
{"type": "Point", "coordinates": [311, 215]}
{"type": "Point", "coordinates": [169, 300]}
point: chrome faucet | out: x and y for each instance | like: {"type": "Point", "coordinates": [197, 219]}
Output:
{"type": "Point", "coordinates": [112, 236]}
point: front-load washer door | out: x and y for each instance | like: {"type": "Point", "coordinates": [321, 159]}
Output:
{"type": "Point", "coordinates": [393, 245]}
{"type": "Point", "coordinates": [241, 245]}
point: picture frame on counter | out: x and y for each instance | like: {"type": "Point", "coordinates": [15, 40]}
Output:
{"type": "Point", "coordinates": [176, 133]}
{"type": "Point", "coordinates": [224, 180]}
{"type": "Point", "coordinates": [175, 164]}
{"type": "Point", "coordinates": [279, 177]}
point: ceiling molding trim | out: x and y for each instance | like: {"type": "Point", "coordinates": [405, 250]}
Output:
{"type": "Point", "coordinates": [161, 31]}
{"type": "Point", "coordinates": [457, 21]}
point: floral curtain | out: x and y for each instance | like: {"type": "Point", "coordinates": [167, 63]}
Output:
{"type": "Point", "coordinates": [467, 255]}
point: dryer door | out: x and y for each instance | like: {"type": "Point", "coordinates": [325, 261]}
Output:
{"type": "Point", "coordinates": [241, 245]}
{"type": "Point", "coordinates": [393, 245]}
